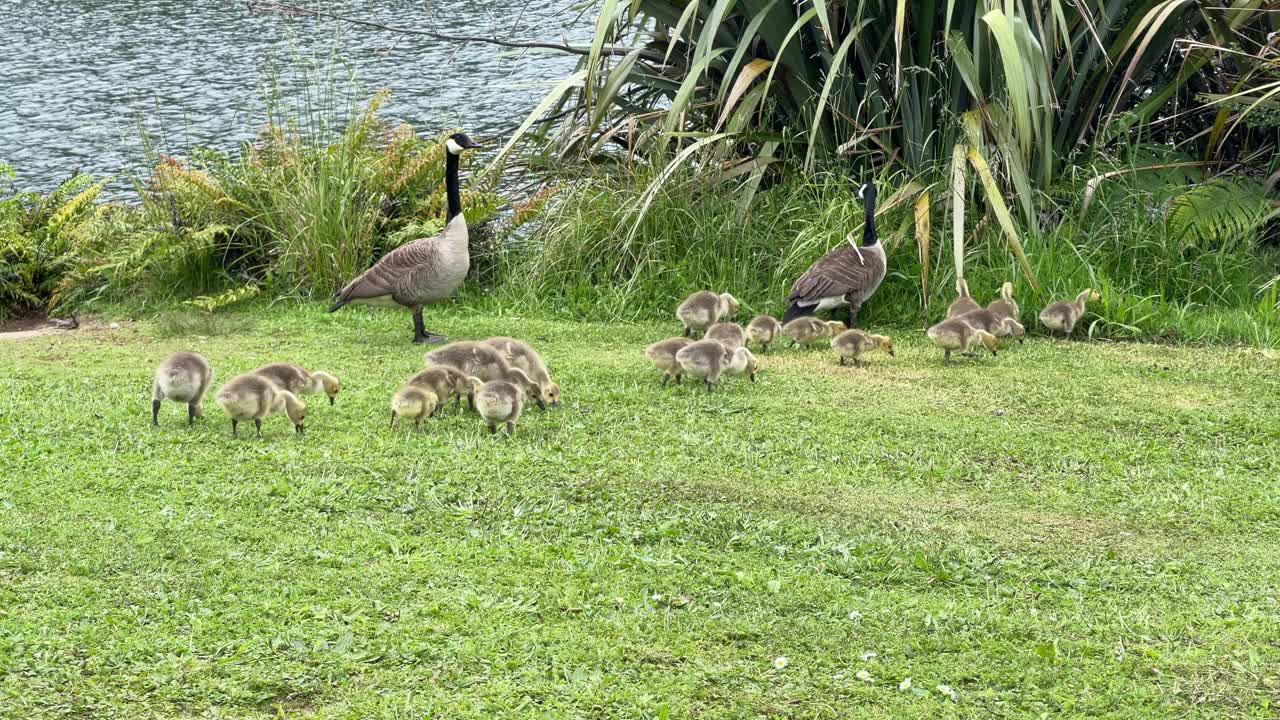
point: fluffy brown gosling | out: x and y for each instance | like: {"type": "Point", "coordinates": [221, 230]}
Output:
{"type": "Point", "coordinates": [182, 377]}
{"type": "Point", "coordinates": [853, 344]}
{"type": "Point", "coordinates": [957, 335]}
{"type": "Point", "coordinates": [1005, 305]}
{"type": "Point", "coordinates": [1062, 316]}
{"type": "Point", "coordinates": [444, 382]}
{"type": "Point", "coordinates": [810, 330]}
{"type": "Point", "coordinates": [663, 356]}
{"type": "Point", "coordinates": [730, 335]}
{"type": "Point", "coordinates": [520, 354]}
{"type": "Point", "coordinates": [254, 397]}
{"type": "Point", "coordinates": [763, 330]}
{"type": "Point", "coordinates": [708, 359]}
{"type": "Point", "coordinates": [964, 302]}
{"type": "Point", "coordinates": [414, 402]}
{"type": "Point", "coordinates": [703, 309]}
{"type": "Point", "coordinates": [501, 401]}
{"type": "Point", "coordinates": [998, 325]}
{"type": "Point", "coordinates": [300, 381]}
{"type": "Point", "coordinates": [474, 359]}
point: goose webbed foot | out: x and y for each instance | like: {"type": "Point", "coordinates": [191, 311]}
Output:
{"type": "Point", "coordinates": [430, 338]}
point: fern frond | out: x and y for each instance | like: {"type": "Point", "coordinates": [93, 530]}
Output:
{"type": "Point", "coordinates": [1219, 214]}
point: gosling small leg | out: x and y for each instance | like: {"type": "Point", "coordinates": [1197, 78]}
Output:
{"type": "Point", "coordinates": [511, 427]}
{"type": "Point", "coordinates": [665, 378]}
{"type": "Point", "coordinates": [688, 331]}
{"type": "Point", "coordinates": [679, 378]}
{"type": "Point", "coordinates": [841, 361]}
{"type": "Point", "coordinates": [191, 414]}
{"type": "Point", "coordinates": [155, 413]}
{"type": "Point", "coordinates": [234, 423]}
{"type": "Point", "coordinates": [471, 402]}
{"type": "Point", "coordinates": [710, 385]}
{"type": "Point", "coordinates": [393, 419]}
{"type": "Point", "coordinates": [257, 425]}
{"type": "Point", "coordinates": [493, 429]}
{"type": "Point", "coordinates": [947, 361]}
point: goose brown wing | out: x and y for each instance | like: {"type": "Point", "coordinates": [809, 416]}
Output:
{"type": "Point", "coordinates": [393, 273]}
{"type": "Point", "coordinates": [835, 274]}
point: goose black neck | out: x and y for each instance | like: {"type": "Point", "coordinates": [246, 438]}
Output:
{"type": "Point", "coordinates": [451, 185]}
{"type": "Point", "coordinates": [869, 234]}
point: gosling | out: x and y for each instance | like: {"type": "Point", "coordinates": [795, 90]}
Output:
{"type": "Point", "coordinates": [964, 302]}
{"type": "Point", "coordinates": [415, 402]}
{"type": "Point", "coordinates": [501, 401]}
{"type": "Point", "coordinates": [1005, 305]}
{"type": "Point", "coordinates": [520, 354]}
{"type": "Point", "coordinates": [300, 381]}
{"type": "Point", "coordinates": [1062, 316]}
{"type": "Point", "coordinates": [254, 397]}
{"type": "Point", "coordinates": [853, 344]}
{"type": "Point", "coordinates": [730, 335]}
{"type": "Point", "coordinates": [182, 377]}
{"type": "Point", "coordinates": [663, 356]}
{"type": "Point", "coordinates": [708, 359]}
{"type": "Point", "coordinates": [703, 309]}
{"type": "Point", "coordinates": [444, 382]}
{"type": "Point", "coordinates": [763, 330]}
{"type": "Point", "coordinates": [473, 359]}
{"type": "Point", "coordinates": [998, 325]}
{"type": "Point", "coordinates": [809, 330]}
{"type": "Point", "coordinates": [960, 336]}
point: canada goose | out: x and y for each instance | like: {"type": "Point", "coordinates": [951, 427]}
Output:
{"type": "Point", "coordinates": [998, 325]}
{"type": "Point", "coordinates": [958, 335]}
{"type": "Point", "coordinates": [502, 401]}
{"type": "Point", "coordinates": [182, 377]}
{"type": "Point", "coordinates": [444, 382]}
{"type": "Point", "coordinates": [1062, 316]}
{"type": "Point", "coordinates": [520, 354]}
{"type": "Point", "coordinates": [731, 335]}
{"type": "Point", "coordinates": [763, 330]}
{"type": "Point", "coordinates": [473, 359]}
{"type": "Point", "coordinates": [852, 344]}
{"type": "Point", "coordinates": [1005, 304]}
{"type": "Point", "coordinates": [413, 401]}
{"type": "Point", "coordinates": [703, 309]}
{"type": "Point", "coordinates": [300, 381]}
{"type": "Point", "coordinates": [707, 359]}
{"type": "Point", "coordinates": [806, 330]}
{"type": "Point", "coordinates": [663, 356]}
{"type": "Point", "coordinates": [964, 302]}
{"type": "Point", "coordinates": [423, 271]}
{"type": "Point", "coordinates": [848, 275]}
{"type": "Point", "coordinates": [253, 397]}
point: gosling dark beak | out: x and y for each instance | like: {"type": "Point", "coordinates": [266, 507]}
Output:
{"type": "Point", "coordinates": [555, 404]}
{"type": "Point", "coordinates": [542, 405]}
{"type": "Point", "coordinates": [331, 399]}
{"type": "Point", "coordinates": [994, 353]}
{"type": "Point", "coordinates": [892, 354]}
{"type": "Point", "coordinates": [1019, 341]}
{"type": "Point", "coordinates": [298, 428]}
{"type": "Point", "coordinates": [753, 377]}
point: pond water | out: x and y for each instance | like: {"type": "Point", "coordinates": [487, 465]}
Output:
{"type": "Point", "coordinates": [80, 80]}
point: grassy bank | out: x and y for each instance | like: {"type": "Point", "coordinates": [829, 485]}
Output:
{"type": "Point", "coordinates": [1106, 546]}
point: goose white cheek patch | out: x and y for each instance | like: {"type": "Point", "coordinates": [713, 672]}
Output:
{"type": "Point", "coordinates": [454, 147]}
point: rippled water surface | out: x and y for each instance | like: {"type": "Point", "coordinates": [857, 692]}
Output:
{"type": "Point", "coordinates": [79, 79]}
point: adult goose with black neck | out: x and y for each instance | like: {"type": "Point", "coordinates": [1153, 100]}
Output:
{"type": "Point", "coordinates": [845, 277]}
{"type": "Point", "coordinates": [422, 271]}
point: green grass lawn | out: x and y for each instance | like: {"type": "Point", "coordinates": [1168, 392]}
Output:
{"type": "Point", "coordinates": [1107, 545]}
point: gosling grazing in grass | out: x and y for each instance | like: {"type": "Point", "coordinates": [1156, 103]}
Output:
{"type": "Point", "coordinates": [853, 344]}
{"type": "Point", "coordinates": [703, 309]}
{"type": "Point", "coordinates": [182, 377]}
{"type": "Point", "coordinates": [254, 397]}
{"type": "Point", "coordinates": [474, 359]}
{"type": "Point", "coordinates": [520, 354]}
{"type": "Point", "coordinates": [300, 381]}
{"type": "Point", "coordinates": [501, 401]}
{"type": "Point", "coordinates": [730, 335]}
{"type": "Point", "coordinates": [708, 359]}
{"type": "Point", "coordinates": [1062, 316]}
{"type": "Point", "coordinates": [957, 335]}
{"type": "Point", "coordinates": [1005, 305]}
{"type": "Point", "coordinates": [444, 382]}
{"type": "Point", "coordinates": [414, 402]}
{"type": "Point", "coordinates": [763, 330]}
{"type": "Point", "coordinates": [663, 356]}
{"type": "Point", "coordinates": [964, 302]}
{"type": "Point", "coordinates": [808, 330]}
{"type": "Point", "coordinates": [998, 325]}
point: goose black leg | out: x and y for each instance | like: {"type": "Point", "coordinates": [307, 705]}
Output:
{"type": "Point", "coordinates": [947, 361]}
{"type": "Point", "coordinates": [420, 333]}
{"type": "Point", "coordinates": [257, 425]}
{"type": "Point", "coordinates": [191, 414]}
{"type": "Point", "coordinates": [155, 413]}
{"type": "Point", "coordinates": [853, 314]}
{"type": "Point", "coordinates": [234, 423]}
